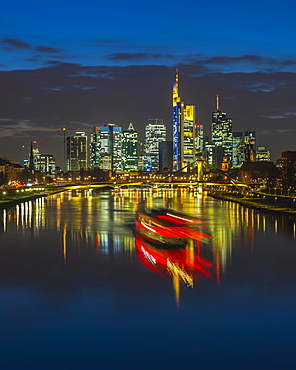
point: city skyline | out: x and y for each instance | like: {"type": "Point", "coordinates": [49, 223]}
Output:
{"type": "Point", "coordinates": [61, 67]}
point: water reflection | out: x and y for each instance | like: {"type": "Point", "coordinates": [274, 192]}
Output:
{"type": "Point", "coordinates": [102, 223]}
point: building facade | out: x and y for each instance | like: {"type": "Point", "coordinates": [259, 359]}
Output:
{"type": "Point", "coordinates": [165, 155]}
{"type": "Point", "coordinates": [130, 149]}
{"type": "Point", "coordinates": [238, 153]}
{"type": "Point", "coordinates": [178, 126]}
{"type": "Point", "coordinates": [77, 152]}
{"type": "Point", "coordinates": [222, 131]}
{"type": "Point", "coordinates": [262, 155]}
{"type": "Point", "coordinates": [94, 147]}
{"type": "Point", "coordinates": [111, 148]}
{"type": "Point", "coordinates": [189, 142]}
{"type": "Point", "coordinates": [155, 132]}
{"type": "Point", "coordinates": [45, 163]}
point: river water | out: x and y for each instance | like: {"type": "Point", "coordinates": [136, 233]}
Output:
{"type": "Point", "coordinates": [76, 292]}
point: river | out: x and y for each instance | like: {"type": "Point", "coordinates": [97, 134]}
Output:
{"type": "Point", "coordinates": [76, 293]}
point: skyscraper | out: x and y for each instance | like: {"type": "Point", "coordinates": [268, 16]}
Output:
{"type": "Point", "coordinates": [155, 132]}
{"type": "Point", "coordinates": [94, 147]}
{"type": "Point", "coordinates": [189, 134]}
{"type": "Point", "coordinates": [222, 131]}
{"type": "Point", "coordinates": [178, 126]}
{"type": "Point", "coordinates": [183, 121]}
{"type": "Point", "coordinates": [77, 152]}
{"type": "Point", "coordinates": [110, 157]}
{"type": "Point", "coordinates": [238, 154]}
{"type": "Point", "coordinates": [130, 149]}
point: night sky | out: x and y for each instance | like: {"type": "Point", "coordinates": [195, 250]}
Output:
{"type": "Point", "coordinates": [84, 63]}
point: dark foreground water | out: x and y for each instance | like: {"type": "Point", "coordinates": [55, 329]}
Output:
{"type": "Point", "coordinates": [75, 293]}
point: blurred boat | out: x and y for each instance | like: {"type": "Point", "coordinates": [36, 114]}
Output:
{"type": "Point", "coordinates": [166, 228]}
{"type": "Point", "coordinates": [183, 264]}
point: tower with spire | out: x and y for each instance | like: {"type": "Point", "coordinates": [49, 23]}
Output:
{"type": "Point", "coordinates": [183, 120]}
{"type": "Point", "coordinates": [178, 125]}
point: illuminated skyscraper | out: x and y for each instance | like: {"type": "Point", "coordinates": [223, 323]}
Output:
{"type": "Point", "coordinates": [94, 147]}
{"type": "Point", "coordinates": [155, 132]}
{"type": "Point", "coordinates": [110, 157]}
{"type": "Point", "coordinates": [178, 126]}
{"type": "Point", "coordinates": [238, 155]}
{"type": "Point", "coordinates": [189, 134]}
{"type": "Point", "coordinates": [130, 149]}
{"type": "Point", "coordinates": [222, 131]}
{"type": "Point", "coordinates": [183, 120]}
{"type": "Point", "coordinates": [77, 152]}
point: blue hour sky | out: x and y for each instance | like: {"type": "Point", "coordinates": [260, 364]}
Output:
{"type": "Point", "coordinates": [90, 62]}
{"type": "Point", "coordinates": [154, 32]}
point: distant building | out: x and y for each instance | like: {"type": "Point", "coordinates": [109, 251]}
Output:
{"type": "Point", "coordinates": [199, 139]}
{"type": "Point", "coordinates": [222, 131]}
{"type": "Point", "coordinates": [262, 154]}
{"type": "Point", "coordinates": [77, 152]}
{"type": "Point", "coordinates": [130, 149]}
{"type": "Point", "coordinates": [155, 132]}
{"type": "Point", "coordinates": [218, 153]}
{"type": "Point", "coordinates": [166, 155]}
{"type": "Point", "coordinates": [111, 148]}
{"type": "Point", "coordinates": [250, 152]}
{"type": "Point", "coordinates": [289, 168]}
{"type": "Point", "coordinates": [238, 154]}
{"type": "Point", "coordinates": [45, 163]}
{"type": "Point", "coordinates": [94, 147]}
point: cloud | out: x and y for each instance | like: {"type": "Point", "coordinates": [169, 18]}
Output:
{"type": "Point", "coordinates": [16, 44]}
{"type": "Point", "coordinates": [137, 56]}
{"type": "Point", "coordinates": [47, 49]}
{"type": "Point", "coordinates": [127, 56]}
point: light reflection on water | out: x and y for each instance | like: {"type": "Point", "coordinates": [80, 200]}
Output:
{"type": "Point", "coordinates": [104, 221]}
{"type": "Point", "coordinates": [77, 252]}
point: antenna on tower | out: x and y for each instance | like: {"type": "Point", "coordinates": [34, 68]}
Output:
{"type": "Point", "coordinates": [217, 102]}
{"type": "Point", "coordinates": [177, 76]}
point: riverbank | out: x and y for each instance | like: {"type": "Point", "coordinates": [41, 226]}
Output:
{"type": "Point", "coordinates": [260, 204]}
{"type": "Point", "coordinates": [20, 198]}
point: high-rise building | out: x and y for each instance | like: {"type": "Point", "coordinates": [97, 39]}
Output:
{"type": "Point", "coordinates": [262, 155]}
{"type": "Point", "coordinates": [199, 139]}
{"type": "Point", "coordinates": [77, 152]}
{"type": "Point", "coordinates": [130, 149]}
{"type": "Point", "coordinates": [155, 132]}
{"type": "Point", "coordinates": [178, 126]}
{"type": "Point", "coordinates": [222, 131]}
{"type": "Point", "coordinates": [189, 134]}
{"type": "Point", "coordinates": [94, 147]}
{"type": "Point", "coordinates": [183, 120]}
{"type": "Point", "coordinates": [111, 149]}
{"type": "Point", "coordinates": [165, 155]}
{"type": "Point", "coordinates": [238, 154]}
